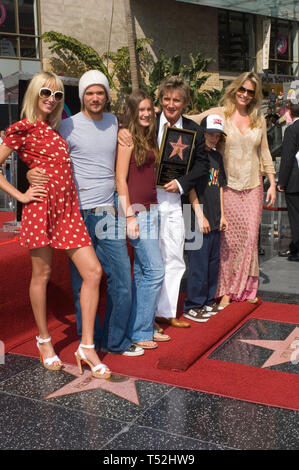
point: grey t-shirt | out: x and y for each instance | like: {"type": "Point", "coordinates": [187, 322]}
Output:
{"type": "Point", "coordinates": [92, 147]}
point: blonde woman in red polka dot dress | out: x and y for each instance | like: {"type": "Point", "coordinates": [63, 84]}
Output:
{"type": "Point", "coordinates": [51, 217]}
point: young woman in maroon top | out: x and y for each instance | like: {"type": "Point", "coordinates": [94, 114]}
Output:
{"type": "Point", "coordinates": [135, 180]}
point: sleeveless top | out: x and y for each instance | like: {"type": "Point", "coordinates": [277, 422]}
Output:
{"type": "Point", "coordinates": [142, 183]}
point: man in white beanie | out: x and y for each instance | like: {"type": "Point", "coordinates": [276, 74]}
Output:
{"type": "Point", "coordinates": [91, 135]}
{"type": "Point", "coordinates": [93, 77]}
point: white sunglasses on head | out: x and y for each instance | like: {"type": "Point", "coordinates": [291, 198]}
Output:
{"type": "Point", "coordinates": [47, 93]}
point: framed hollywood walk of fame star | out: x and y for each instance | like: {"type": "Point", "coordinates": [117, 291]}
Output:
{"type": "Point", "coordinates": [175, 154]}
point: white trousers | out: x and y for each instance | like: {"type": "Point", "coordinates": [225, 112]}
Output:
{"type": "Point", "coordinates": [171, 241]}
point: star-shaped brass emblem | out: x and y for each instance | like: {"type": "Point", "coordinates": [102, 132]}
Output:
{"type": "Point", "coordinates": [178, 148]}
{"type": "Point", "coordinates": [284, 351]}
{"type": "Point", "coordinates": [121, 386]}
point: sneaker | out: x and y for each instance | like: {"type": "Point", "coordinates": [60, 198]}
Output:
{"type": "Point", "coordinates": [213, 308]}
{"type": "Point", "coordinates": [131, 351]}
{"type": "Point", "coordinates": [198, 314]}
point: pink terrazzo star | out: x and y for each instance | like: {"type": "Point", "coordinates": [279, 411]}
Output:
{"type": "Point", "coordinates": [124, 387]}
{"type": "Point", "coordinates": [284, 351]}
{"type": "Point", "coordinates": [178, 148]}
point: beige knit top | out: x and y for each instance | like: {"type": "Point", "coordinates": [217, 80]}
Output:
{"type": "Point", "coordinates": [245, 156]}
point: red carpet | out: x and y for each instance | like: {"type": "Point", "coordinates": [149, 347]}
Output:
{"type": "Point", "coordinates": [6, 217]}
{"type": "Point", "coordinates": [234, 380]}
{"type": "Point", "coordinates": [16, 319]}
{"type": "Point", "coordinates": [201, 340]}
{"type": "Point", "coordinates": [182, 362]}
{"type": "Point", "coordinates": [6, 237]}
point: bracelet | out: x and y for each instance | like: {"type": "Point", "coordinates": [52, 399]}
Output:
{"type": "Point", "coordinates": [127, 216]}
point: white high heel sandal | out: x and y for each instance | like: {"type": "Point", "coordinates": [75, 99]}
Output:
{"type": "Point", "coordinates": [99, 371]}
{"type": "Point", "coordinates": [49, 362]}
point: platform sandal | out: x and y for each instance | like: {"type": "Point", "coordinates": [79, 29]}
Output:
{"type": "Point", "coordinates": [48, 363]}
{"type": "Point", "coordinates": [98, 371]}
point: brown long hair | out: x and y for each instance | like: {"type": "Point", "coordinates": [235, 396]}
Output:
{"type": "Point", "coordinates": [253, 108]}
{"type": "Point", "coordinates": [144, 139]}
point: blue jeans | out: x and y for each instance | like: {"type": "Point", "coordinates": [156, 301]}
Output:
{"type": "Point", "coordinates": [111, 250]}
{"type": "Point", "coordinates": [203, 272]}
{"type": "Point", "coordinates": [148, 276]}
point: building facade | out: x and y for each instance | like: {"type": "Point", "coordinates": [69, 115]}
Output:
{"type": "Point", "coordinates": [20, 46]}
{"type": "Point", "coordinates": [238, 35]}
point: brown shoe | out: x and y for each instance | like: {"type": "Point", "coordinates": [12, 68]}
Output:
{"type": "Point", "coordinates": [158, 328]}
{"type": "Point", "coordinates": [173, 322]}
{"type": "Point", "coordinates": [213, 308]}
{"type": "Point", "coordinates": [198, 314]}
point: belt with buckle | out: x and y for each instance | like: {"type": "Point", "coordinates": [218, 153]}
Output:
{"type": "Point", "coordinates": [100, 209]}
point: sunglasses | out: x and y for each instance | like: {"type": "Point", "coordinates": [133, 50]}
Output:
{"type": "Point", "coordinates": [47, 93]}
{"type": "Point", "coordinates": [242, 89]}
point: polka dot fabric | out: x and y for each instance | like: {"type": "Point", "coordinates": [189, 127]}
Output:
{"type": "Point", "coordinates": [57, 220]}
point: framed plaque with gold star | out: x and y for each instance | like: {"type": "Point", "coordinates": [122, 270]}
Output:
{"type": "Point", "coordinates": [175, 154]}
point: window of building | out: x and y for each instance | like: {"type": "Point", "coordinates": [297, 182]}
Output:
{"type": "Point", "coordinates": [19, 31]}
{"type": "Point", "coordinates": [283, 47]}
{"type": "Point", "coordinates": [236, 33]}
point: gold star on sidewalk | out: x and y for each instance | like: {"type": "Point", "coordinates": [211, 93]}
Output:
{"type": "Point", "coordinates": [284, 351]}
{"type": "Point", "coordinates": [121, 386]}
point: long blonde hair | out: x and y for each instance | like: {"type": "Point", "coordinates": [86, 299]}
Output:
{"type": "Point", "coordinates": [144, 139]}
{"type": "Point", "coordinates": [29, 108]}
{"type": "Point", "coordinates": [253, 108]}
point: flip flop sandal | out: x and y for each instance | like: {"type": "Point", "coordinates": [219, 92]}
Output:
{"type": "Point", "coordinates": [160, 337]}
{"type": "Point", "coordinates": [224, 305]}
{"type": "Point", "coordinates": [144, 346]}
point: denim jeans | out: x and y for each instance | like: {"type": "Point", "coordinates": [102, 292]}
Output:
{"type": "Point", "coordinates": [148, 276]}
{"type": "Point", "coordinates": [111, 249]}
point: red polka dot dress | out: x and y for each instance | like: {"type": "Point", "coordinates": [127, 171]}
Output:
{"type": "Point", "coordinates": [57, 220]}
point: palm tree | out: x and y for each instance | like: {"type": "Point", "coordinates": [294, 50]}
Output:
{"type": "Point", "coordinates": [131, 44]}
{"type": "Point", "coordinates": [73, 56]}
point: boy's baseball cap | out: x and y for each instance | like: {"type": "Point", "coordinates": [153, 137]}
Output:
{"type": "Point", "coordinates": [213, 123]}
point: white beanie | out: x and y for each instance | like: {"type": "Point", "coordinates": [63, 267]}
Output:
{"type": "Point", "coordinates": [93, 77]}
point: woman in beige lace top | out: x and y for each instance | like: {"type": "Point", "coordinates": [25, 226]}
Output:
{"type": "Point", "coordinates": [246, 158]}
